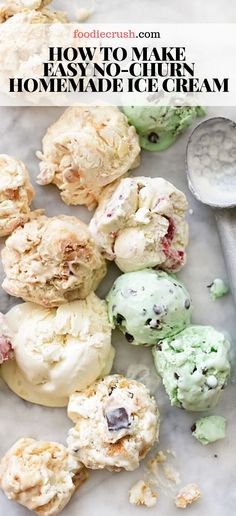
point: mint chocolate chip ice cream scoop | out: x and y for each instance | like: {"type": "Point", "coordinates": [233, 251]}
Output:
{"type": "Point", "coordinates": [159, 126]}
{"type": "Point", "coordinates": [194, 366]}
{"type": "Point", "coordinates": [148, 305]}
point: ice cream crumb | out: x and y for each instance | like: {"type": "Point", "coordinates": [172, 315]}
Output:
{"type": "Point", "coordinates": [218, 288]}
{"type": "Point", "coordinates": [189, 494]}
{"type": "Point", "coordinates": [82, 14]}
{"type": "Point", "coordinates": [142, 494]}
{"type": "Point", "coordinates": [171, 474]}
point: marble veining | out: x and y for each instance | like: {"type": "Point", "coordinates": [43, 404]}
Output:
{"type": "Point", "coordinates": [212, 467]}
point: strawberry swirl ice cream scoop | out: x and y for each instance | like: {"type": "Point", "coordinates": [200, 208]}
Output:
{"type": "Point", "coordinates": [140, 222]}
{"type": "Point", "coordinates": [6, 350]}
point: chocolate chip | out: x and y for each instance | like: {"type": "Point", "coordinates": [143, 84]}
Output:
{"type": "Point", "coordinates": [187, 304]}
{"type": "Point", "coordinates": [211, 284]}
{"type": "Point", "coordinates": [176, 376]}
{"type": "Point", "coordinates": [120, 197]}
{"type": "Point", "coordinates": [147, 322]}
{"type": "Point", "coordinates": [216, 456]}
{"type": "Point", "coordinates": [194, 369]}
{"type": "Point", "coordinates": [119, 319]}
{"type": "Point", "coordinates": [159, 346]}
{"type": "Point", "coordinates": [157, 309]}
{"type": "Point", "coordinates": [75, 450]}
{"type": "Point", "coordinates": [193, 427]}
{"type": "Point", "coordinates": [153, 137]}
{"type": "Point", "coordinates": [132, 292]}
{"type": "Point", "coordinates": [117, 419]}
{"type": "Point", "coordinates": [144, 311]}
{"type": "Point", "coordinates": [111, 389]}
{"type": "Point", "coordinates": [205, 370]}
{"type": "Point", "coordinates": [129, 337]}
{"type": "Point", "coordinates": [131, 395]}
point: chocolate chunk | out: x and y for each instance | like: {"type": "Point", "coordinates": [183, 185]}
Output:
{"type": "Point", "coordinates": [205, 370]}
{"type": "Point", "coordinates": [119, 318]}
{"type": "Point", "coordinates": [176, 376]}
{"type": "Point", "coordinates": [129, 337]}
{"type": "Point", "coordinates": [117, 419]}
{"type": "Point", "coordinates": [193, 427]}
{"type": "Point", "coordinates": [157, 309]}
{"type": "Point", "coordinates": [111, 389]}
{"type": "Point", "coordinates": [215, 455]}
{"type": "Point", "coordinates": [187, 304]}
{"type": "Point", "coordinates": [194, 369]}
{"type": "Point", "coordinates": [153, 137]}
{"type": "Point", "coordinates": [147, 322]}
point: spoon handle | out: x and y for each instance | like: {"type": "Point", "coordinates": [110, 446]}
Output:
{"type": "Point", "coordinates": [226, 223]}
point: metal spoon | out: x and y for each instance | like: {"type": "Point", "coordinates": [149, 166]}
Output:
{"type": "Point", "coordinates": [211, 172]}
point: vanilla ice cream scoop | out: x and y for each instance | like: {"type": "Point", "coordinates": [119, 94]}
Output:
{"type": "Point", "coordinates": [51, 261]}
{"type": "Point", "coordinates": [140, 222]}
{"type": "Point", "coordinates": [40, 475]}
{"type": "Point", "coordinates": [86, 149]}
{"type": "Point", "coordinates": [58, 351]}
{"type": "Point", "coordinates": [16, 194]}
{"type": "Point", "coordinates": [116, 424]}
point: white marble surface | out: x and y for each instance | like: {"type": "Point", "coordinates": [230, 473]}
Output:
{"type": "Point", "coordinates": [21, 131]}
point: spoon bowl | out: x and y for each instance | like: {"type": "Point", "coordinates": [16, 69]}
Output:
{"type": "Point", "coordinates": [211, 162]}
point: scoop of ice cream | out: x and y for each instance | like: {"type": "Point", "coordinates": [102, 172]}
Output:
{"type": "Point", "coordinates": [140, 223]}
{"type": "Point", "coordinates": [218, 288]}
{"type": "Point", "coordinates": [117, 422]}
{"type": "Point", "coordinates": [209, 429]}
{"type": "Point", "coordinates": [86, 149]}
{"type": "Point", "coordinates": [51, 261]}
{"type": "Point", "coordinates": [159, 126]}
{"type": "Point", "coordinates": [30, 11]}
{"type": "Point", "coordinates": [40, 475]}
{"type": "Point", "coordinates": [148, 306]}
{"type": "Point", "coordinates": [58, 351]}
{"type": "Point", "coordinates": [16, 194]}
{"type": "Point", "coordinates": [6, 349]}
{"type": "Point", "coordinates": [194, 367]}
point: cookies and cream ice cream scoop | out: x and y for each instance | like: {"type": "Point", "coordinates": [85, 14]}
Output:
{"type": "Point", "coordinates": [211, 170]}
